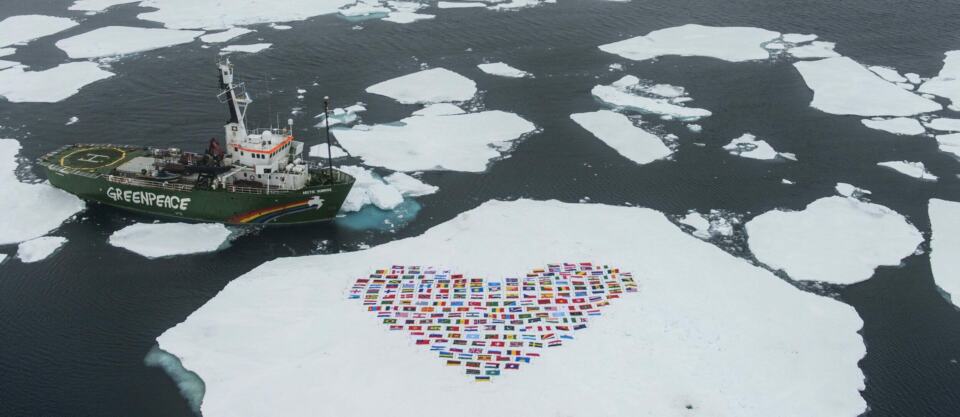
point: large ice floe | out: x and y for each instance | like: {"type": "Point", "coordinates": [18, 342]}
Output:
{"type": "Point", "coordinates": [48, 86]}
{"type": "Point", "coordinates": [38, 249]}
{"type": "Point", "coordinates": [945, 245]}
{"type": "Point", "coordinates": [427, 86]}
{"type": "Point", "coordinates": [287, 339]}
{"type": "Point", "coordinates": [157, 240]}
{"type": "Point", "coordinates": [947, 83]}
{"type": "Point", "coordinates": [911, 169]}
{"type": "Point", "coordinates": [896, 125]}
{"type": "Point", "coordinates": [224, 36]}
{"type": "Point", "coordinates": [630, 93]}
{"type": "Point", "coordinates": [950, 144]}
{"type": "Point", "coordinates": [25, 28]}
{"type": "Point", "coordinates": [944, 124]}
{"type": "Point", "coordinates": [834, 239]}
{"type": "Point", "coordinates": [817, 49]}
{"type": "Point", "coordinates": [123, 40]}
{"type": "Point", "coordinates": [842, 86]}
{"type": "Point", "coordinates": [733, 44]}
{"type": "Point", "coordinates": [619, 133]}
{"type": "Point", "coordinates": [30, 210]}
{"type": "Point", "coordinates": [219, 14]}
{"type": "Point", "coordinates": [248, 48]}
{"type": "Point", "coordinates": [503, 70]}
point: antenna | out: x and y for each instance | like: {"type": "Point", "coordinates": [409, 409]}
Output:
{"type": "Point", "coordinates": [326, 119]}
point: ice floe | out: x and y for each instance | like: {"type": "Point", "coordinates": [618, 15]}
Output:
{"type": "Point", "coordinates": [51, 85]}
{"type": "Point", "coordinates": [947, 83]}
{"type": "Point", "coordinates": [157, 240]}
{"type": "Point", "coordinates": [406, 17]}
{"type": "Point", "coordinates": [748, 146]}
{"type": "Point", "coordinates": [72, 120]}
{"type": "Point", "coordinates": [409, 186]}
{"type": "Point", "coordinates": [320, 151]}
{"type": "Point", "coordinates": [7, 51]}
{"type": "Point", "coordinates": [123, 40]}
{"type": "Point", "coordinates": [913, 77]}
{"type": "Point", "coordinates": [944, 124]}
{"type": "Point", "coordinates": [850, 190]}
{"type": "Point", "coordinates": [219, 14]}
{"type": "Point", "coordinates": [97, 5]}
{"type": "Point", "coordinates": [341, 115]}
{"type": "Point", "coordinates": [250, 48]}
{"type": "Point", "coordinates": [503, 70]}
{"type": "Point", "coordinates": [30, 210]}
{"type": "Point", "coordinates": [459, 142]}
{"type": "Point", "coordinates": [798, 38]}
{"type": "Point", "coordinates": [912, 169]}
{"type": "Point", "coordinates": [896, 125]}
{"type": "Point", "coordinates": [385, 194]}
{"type": "Point", "coordinates": [842, 86]}
{"type": "Point", "coordinates": [629, 93]}
{"type": "Point", "coordinates": [459, 4]}
{"type": "Point", "coordinates": [888, 74]}
{"type": "Point", "coordinates": [733, 44]}
{"type": "Point", "coordinates": [817, 49]}
{"type": "Point", "coordinates": [945, 245]}
{"type": "Point", "coordinates": [439, 109]}
{"type": "Point", "coordinates": [224, 36]}
{"type": "Point", "coordinates": [692, 335]}
{"type": "Point", "coordinates": [427, 86]}
{"type": "Point", "coordinates": [715, 223]}
{"type": "Point", "coordinates": [949, 143]}
{"type": "Point", "coordinates": [4, 64]}
{"type": "Point", "coordinates": [834, 239]}
{"type": "Point", "coordinates": [619, 133]}
{"type": "Point", "coordinates": [25, 28]}
{"type": "Point", "coordinates": [38, 249]}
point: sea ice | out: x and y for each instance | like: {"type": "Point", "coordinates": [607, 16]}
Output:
{"type": "Point", "coordinates": [409, 186]}
{"type": "Point", "coordinates": [156, 240]}
{"type": "Point", "coordinates": [364, 8]}
{"type": "Point", "coordinates": [913, 169]}
{"type": "Point", "coordinates": [403, 17]}
{"type": "Point", "coordinates": [427, 86]}
{"type": "Point", "coordinates": [748, 146]}
{"type": "Point", "coordinates": [619, 133]}
{"type": "Point", "coordinates": [7, 51]}
{"type": "Point", "coordinates": [947, 143]}
{"type": "Point", "coordinates": [384, 193]}
{"type": "Point", "coordinates": [439, 109]}
{"type": "Point", "coordinates": [224, 36]}
{"type": "Point", "coordinates": [40, 248]}
{"type": "Point", "coordinates": [888, 74]}
{"type": "Point", "coordinates": [913, 77]}
{"type": "Point", "coordinates": [341, 115]}
{"type": "Point", "coordinates": [785, 181]}
{"type": "Point", "coordinates": [695, 128]}
{"type": "Point", "coordinates": [25, 28]}
{"type": "Point", "coordinates": [503, 70]}
{"type": "Point", "coordinates": [896, 125]}
{"type": "Point", "coordinates": [97, 5]}
{"type": "Point", "coordinates": [699, 223]}
{"type": "Point", "coordinates": [690, 342]}
{"type": "Point", "coordinates": [842, 86]}
{"type": "Point", "coordinates": [834, 239]}
{"type": "Point", "coordinates": [944, 124]}
{"type": "Point", "coordinates": [49, 86]}
{"type": "Point", "coordinates": [190, 385]}
{"type": "Point", "coordinates": [733, 44]}
{"type": "Point", "coordinates": [945, 245]}
{"type": "Point", "coordinates": [797, 38]}
{"type": "Point", "coordinates": [72, 120]}
{"type": "Point", "coordinates": [275, 26]}
{"type": "Point", "coordinates": [320, 151]}
{"type": "Point", "coordinates": [219, 14]}
{"type": "Point", "coordinates": [4, 64]}
{"type": "Point", "coordinates": [123, 40]}
{"type": "Point", "coordinates": [517, 4]}
{"type": "Point", "coordinates": [461, 142]}
{"type": "Point", "coordinates": [850, 190]}
{"type": "Point", "coordinates": [30, 210]}
{"type": "Point", "coordinates": [625, 93]}
{"type": "Point", "coordinates": [817, 49]}
{"type": "Point", "coordinates": [3, 258]}
{"type": "Point", "coordinates": [947, 83]}
{"type": "Point", "coordinates": [250, 49]}
{"type": "Point", "coordinates": [459, 4]}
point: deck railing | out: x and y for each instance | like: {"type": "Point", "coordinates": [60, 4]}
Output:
{"type": "Point", "coordinates": [149, 183]}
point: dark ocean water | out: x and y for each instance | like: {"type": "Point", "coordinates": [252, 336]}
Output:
{"type": "Point", "coordinates": [74, 328]}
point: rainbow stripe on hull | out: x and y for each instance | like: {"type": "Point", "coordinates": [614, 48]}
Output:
{"type": "Point", "coordinates": [268, 214]}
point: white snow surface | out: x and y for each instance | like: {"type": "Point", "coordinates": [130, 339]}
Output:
{"type": "Point", "coordinates": [850, 190]}
{"type": "Point", "coordinates": [25, 28]}
{"type": "Point", "coordinates": [625, 93]}
{"type": "Point", "coordinates": [7, 51]}
{"type": "Point", "coordinates": [320, 151]}
{"type": "Point", "coordinates": [250, 48]}
{"type": "Point", "coordinates": [690, 336]}
{"type": "Point", "coordinates": [842, 86]}
{"type": "Point", "coordinates": [460, 142]}
{"type": "Point", "coordinates": [340, 115]}
{"type": "Point", "coordinates": [97, 5]}
{"type": "Point", "coordinates": [51, 85]}
{"type": "Point", "coordinates": [796, 38]}
{"type": "Point", "coordinates": [38, 249]}
{"type": "Point", "coordinates": [384, 193]}
{"type": "Point", "coordinates": [834, 239]}
{"type": "Point", "coordinates": [733, 44]}
{"type": "Point", "coordinates": [30, 210]}
{"type": "Point", "coordinates": [404, 17]}
{"type": "Point", "coordinates": [220, 14]}
{"type": "Point", "coordinates": [459, 4]}
{"type": "Point", "coordinates": [748, 146]}
{"type": "Point", "coordinates": [156, 240]}
{"type": "Point", "coordinates": [817, 49]}
{"type": "Point", "coordinates": [439, 109]}
{"type": "Point", "coordinates": [947, 83]}
{"type": "Point", "coordinates": [619, 133]}
{"type": "Point", "coordinates": [409, 186]}
{"type": "Point", "coordinates": [503, 70]}
{"type": "Point", "coordinates": [123, 40]}
{"type": "Point", "coordinates": [945, 245]}
{"type": "Point", "coordinates": [896, 125]}
{"type": "Point", "coordinates": [888, 74]}
{"type": "Point", "coordinates": [912, 169]}
{"type": "Point", "coordinates": [224, 36]}
{"type": "Point", "coordinates": [699, 223]}
{"type": "Point", "coordinates": [427, 86]}
{"type": "Point", "coordinates": [944, 124]}
{"type": "Point", "coordinates": [949, 143]}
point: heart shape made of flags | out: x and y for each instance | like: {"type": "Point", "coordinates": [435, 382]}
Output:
{"type": "Point", "coordinates": [489, 327]}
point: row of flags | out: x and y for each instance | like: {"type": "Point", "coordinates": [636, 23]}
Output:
{"type": "Point", "coordinates": [486, 326]}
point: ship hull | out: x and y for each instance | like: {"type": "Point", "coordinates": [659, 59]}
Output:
{"type": "Point", "coordinates": [311, 204]}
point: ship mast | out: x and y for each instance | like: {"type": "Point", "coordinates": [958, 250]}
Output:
{"type": "Point", "coordinates": [236, 98]}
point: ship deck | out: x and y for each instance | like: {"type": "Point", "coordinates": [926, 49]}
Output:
{"type": "Point", "coordinates": [93, 159]}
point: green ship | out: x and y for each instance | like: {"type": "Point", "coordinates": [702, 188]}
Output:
{"type": "Point", "coordinates": [257, 177]}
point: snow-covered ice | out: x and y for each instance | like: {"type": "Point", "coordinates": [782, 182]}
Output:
{"type": "Point", "coordinates": [947, 83]}
{"type": "Point", "coordinates": [950, 144]}
{"type": "Point", "coordinates": [944, 124]}
{"type": "Point", "coordinates": [459, 4]}
{"type": "Point", "coordinates": [689, 342]}
{"type": "Point", "coordinates": [699, 223]}
{"type": "Point", "coordinates": [715, 223]}
{"type": "Point", "coordinates": [250, 48]}
{"type": "Point", "coordinates": [404, 17]}
{"type": "Point", "coordinates": [439, 109]}
{"type": "Point", "coordinates": [29, 210]}
{"type": "Point", "coordinates": [320, 151]}
{"type": "Point", "coordinates": [733, 44]}
{"type": "Point", "coordinates": [842, 86]}
{"type": "Point", "coordinates": [38, 249]}
{"type": "Point", "coordinates": [503, 70]}
{"type": "Point", "coordinates": [4, 64]}
{"type": "Point", "coordinates": [220, 37]}
{"type": "Point", "coordinates": [51, 85]}
{"type": "Point", "coordinates": [748, 146]}
{"type": "Point", "coordinates": [7, 51]}
{"type": "Point", "coordinates": [384, 193]}
{"type": "Point", "coordinates": [156, 240]}
{"type": "Point", "coordinates": [817, 49]}
{"type": "Point", "coordinates": [340, 115]}
{"type": "Point", "coordinates": [912, 169]}
{"type": "Point", "coordinates": [945, 245]}
{"type": "Point", "coordinates": [275, 26]}
{"type": "Point", "coordinates": [626, 93]}
{"type": "Point", "coordinates": [460, 142]}
{"type": "Point", "coordinates": [850, 190]}
{"type": "Point", "coordinates": [888, 74]}
{"type": "Point", "coordinates": [896, 125]}
{"type": "Point", "coordinates": [427, 86]}
{"type": "Point", "coordinates": [123, 40]}
{"type": "Point", "coordinates": [409, 186]}
{"type": "Point", "coordinates": [797, 38]}
{"type": "Point", "coordinates": [834, 239]}
{"type": "Point", "coordinates": [619, 133]}
{"type": "Point", "coordinates": [219, 14]}
{"type": "Point", "coordinates": [25, 28]}
{"type": "Point", "coordinates": [364, 8]}
{"type": "Point", "coordinates": [695, 128]}
{"type": "Point", "coordinates": [97, 5]}
{"type": "Point", "coordinates": [913, 77]}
